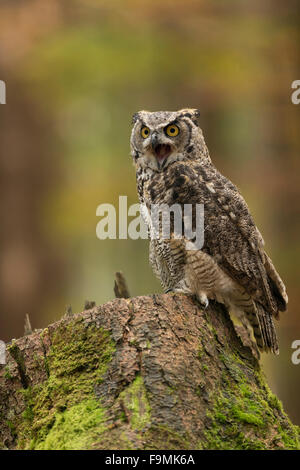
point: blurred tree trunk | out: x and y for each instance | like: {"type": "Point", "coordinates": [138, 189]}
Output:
{"type": "Point", "coordinates": [31, 265]}
{"type": "Point", "coordinates": [150, 372]}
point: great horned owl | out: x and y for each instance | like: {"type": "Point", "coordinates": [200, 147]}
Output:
{"type": "Point", "coordinates": [173, 166]}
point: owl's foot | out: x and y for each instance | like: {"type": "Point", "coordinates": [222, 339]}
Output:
{"type": "Point", "coordinates": [203, 301]}
{"type": "Point", "coordinates": [179, 291]}
{"type": "Point", "coordinates": [181, 288]}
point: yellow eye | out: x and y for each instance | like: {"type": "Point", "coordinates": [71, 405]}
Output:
{"type": "Point", "coordinates": [145, 132]}
{"type": "Point", "coordinates": [172, 130]}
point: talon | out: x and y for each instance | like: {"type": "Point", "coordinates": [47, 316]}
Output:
{"type": "Point", "coordinates": [203, 300]}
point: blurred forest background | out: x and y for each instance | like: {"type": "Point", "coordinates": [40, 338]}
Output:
{"type": "Point", "coordinates": [75, 71]}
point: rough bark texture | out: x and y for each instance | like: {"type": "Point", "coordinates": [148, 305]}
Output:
{"type": "Point", "coordinates": [143, 373]}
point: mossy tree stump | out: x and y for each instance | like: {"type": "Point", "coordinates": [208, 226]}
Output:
{"type": "Point", "coordinates": [143, 373]}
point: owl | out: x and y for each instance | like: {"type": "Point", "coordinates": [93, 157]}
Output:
{"type": "Point", "coordinates": [173, 166]}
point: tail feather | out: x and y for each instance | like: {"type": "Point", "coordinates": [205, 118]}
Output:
{"type": "Point", "coordinates": [262, 324]}
{"type": "Point", "coordinates": [266, 337]}
{"type": "Point", "coordinates": [260, 319]}
{"type": "Point", "coordinates": [276, 285]}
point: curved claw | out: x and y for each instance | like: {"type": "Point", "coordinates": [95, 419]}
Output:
{"type": "Point", "coordinates": [203, 300]}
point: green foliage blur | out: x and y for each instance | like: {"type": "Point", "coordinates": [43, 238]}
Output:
{"type": "Point", "coordinates": [75, 73]}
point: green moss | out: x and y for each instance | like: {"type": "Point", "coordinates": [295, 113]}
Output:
{"type": "Point", "coordinates": [247, 443]}
{"type": "Point", "coordinates": [77, 360]}
{"type": "Point", "coordinates": [244, 417]}
{"type": "Point", "coordinates": [228, 419]}
{"type": "Point", "coordinates": [289, 439]}
{"type": "Point", "coordinates": [75, 428]}
{"type": "Point", "coordinates": [28, 414]}
{"type": "Point", "coordinates": [273, 401]}
{"type": "Point", "coordinates": [236, 440]}
{"type": "Point", "coordinates": [134, 398]}
{"type": "Point", "coordinates": [221, 417]}
{"type": "Point", "coordinates": [244, 414]}
{"type": "Point", "coordinates": [233, 365]}
{"type": "Point", "coordinates": [245, 390]}
{"type": "Point", "coordinates": [7, 373]}
{"type": "Point", "coordinates": [12, 428]}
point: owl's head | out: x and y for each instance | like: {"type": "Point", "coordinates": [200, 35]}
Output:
{"type": "Point", "coordinates": [163, 137]}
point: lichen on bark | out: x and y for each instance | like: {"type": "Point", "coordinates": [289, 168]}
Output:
{"type": "Point", "coordinates": [152, 372]}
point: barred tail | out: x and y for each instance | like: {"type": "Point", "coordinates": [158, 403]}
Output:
{"type": "Point", "coordinates": [261, 322]}
{"type": "Point", "coordinates": [264, 329]}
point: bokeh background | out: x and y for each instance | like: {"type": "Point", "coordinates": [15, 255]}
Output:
{"type": "Point", "coordinates": [75, 72]}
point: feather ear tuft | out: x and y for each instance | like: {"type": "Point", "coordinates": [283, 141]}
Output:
{"type": "Point", "coordinates": [191, 113]}
{"type": "Point", "coordinates": [135, 117]}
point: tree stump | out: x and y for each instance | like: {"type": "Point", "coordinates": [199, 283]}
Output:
{"type": "Point", "coordinates": [153, 372]}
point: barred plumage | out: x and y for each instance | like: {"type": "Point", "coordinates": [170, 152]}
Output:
{"type": "Point", "coordinates": [173, 166]}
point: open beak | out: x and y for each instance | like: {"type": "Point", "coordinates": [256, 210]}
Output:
{"type": "Point", "coordinates": [161, 151]}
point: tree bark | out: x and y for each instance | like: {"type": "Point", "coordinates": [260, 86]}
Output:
{"type": "Point", "coordinates": [153, 372]}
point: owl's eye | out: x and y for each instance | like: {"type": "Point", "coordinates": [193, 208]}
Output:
{"type": "Point", "coordinates": [172, 130]}
{"type": "Point", "coordinates": [145, 132]}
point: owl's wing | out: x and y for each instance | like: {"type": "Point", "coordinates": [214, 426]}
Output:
{"type": "Point", "coordinates": [233, 239]}
{"type": "Point", "coordinates": [231, 236]}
